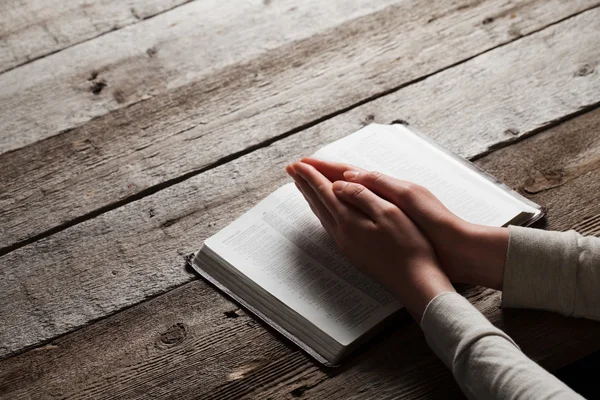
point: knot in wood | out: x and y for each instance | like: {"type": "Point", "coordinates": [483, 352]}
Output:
{"type": "Point", "coordinates": [151, 51]}
{"type": "Point", "coordinates": [231, 314]}
{"type": "Point", "coordinates": [174, 335]}
{"type": "Point", "coordinates": [98, 86]}
{"type": "Point", "coordinates": [299, 392]}
{"type": "Point", "coordinates": [584, 70]}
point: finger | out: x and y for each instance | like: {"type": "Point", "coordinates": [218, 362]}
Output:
{"type": "Point", "coordinates": [327, 224]}
{"type": "Point", "coordinates": [313, 200]}
{"type": "Point", "coordinates": [317, 208]}
{"type": "Point", "coordinates": [399, 192]}
{"type": "Point", "coordinates": [343, 214]}
{"type": "Point", "coordinates": [321, 186]}
{"type": "Point", "coordinates": [333, 171]}
{"type": "Point", "coordinates": [290, 171]}
{"type": "Point", "coordinates": [314, 203]}
{"type": "Point", "coordinates": [369, 203]}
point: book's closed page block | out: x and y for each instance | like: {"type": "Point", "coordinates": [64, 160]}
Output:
{"type": "Point", "coordinates": [197, 266]}
{"type": "Point", "coordinates": [281, 245]}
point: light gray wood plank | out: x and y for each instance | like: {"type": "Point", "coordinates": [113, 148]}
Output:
{"type": "Point", "coordinates": [137, 62]}
{"type": "Point", "coordinates": [193, 343]}
{"type": "Point", "coordinates": [124, 256]}
{"type": "Point", "coordinates": [141, 148]}
{"type": "Point", "coordinates": [31, 29]}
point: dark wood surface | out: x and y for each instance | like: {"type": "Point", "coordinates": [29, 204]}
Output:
{"type": "Point", "coordinates": [102, 195]}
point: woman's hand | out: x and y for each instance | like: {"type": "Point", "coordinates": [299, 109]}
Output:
{"type": "Point", "coordinates": [468, 253]}
{"type": "Point", "coordinates": [376, 236]}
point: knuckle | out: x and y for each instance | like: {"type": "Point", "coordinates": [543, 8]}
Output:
{"type": "Point", "coordinates": [374, 176]}
{"type": "Point", "coordinates": [417, 189]}
{"type": "Point", "coordinates": [320, 191]}
{"type": "Point", "coordinates": [321, 188]}
{"type": "Point", "coordinates": [406, 192]}
{"type": "Point", "coordinates": [371, 229]}
{"type": "Point", "coordinates": [389, 211]}
{"type": "Point", "coordinates": [355, 190]}
{"type": "Point", "coordinates": [422, 190]}
{"type": "Point", "coordinates": [410, 187]}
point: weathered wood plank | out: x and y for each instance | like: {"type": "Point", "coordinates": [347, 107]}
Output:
{"type": "Point", "coordinates": [192, 342]}
{"type": "Point", "coordinates": [139, 61]}
{"type": "Point", "coordinates": [122, 257]}
{"type": "Point", "coordinates": [198, 39]}
{"type": "Point", "coordinates": [160, 333]}
{"type": "Point", "coordinates": [32, 29]}
{"type": "Point", "coordinates": [133, 151]}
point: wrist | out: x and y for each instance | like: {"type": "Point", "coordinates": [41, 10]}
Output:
{"type": "Point", "coordinates": [485, 255]}
{"type": "Point", "coordinates": [429, 282]}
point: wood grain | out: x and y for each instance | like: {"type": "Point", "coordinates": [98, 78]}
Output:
{"type": "Point", "coordinates": [136, 251]}
{"type": "Point", "coordinates": [142, 148]}
{"type": "Point", "coordinates": [137, 62]}
{"type": "Point", "coordinates": [589, 226]}
{"type": "Point", "coordinates": [184, 45]}
{"type": "Point", "coordinates": [32, 29]}
{"type": "Point", "coordinates": [193, 343]}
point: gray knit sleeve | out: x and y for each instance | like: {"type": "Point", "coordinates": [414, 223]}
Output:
{"type": "Point", "coordinates": [554, 271]}
{"type": "Point", "coordinates": [485, 362]}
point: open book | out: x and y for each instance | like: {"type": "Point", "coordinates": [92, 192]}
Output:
{"type": "Point", "coordinates": [278, 261]}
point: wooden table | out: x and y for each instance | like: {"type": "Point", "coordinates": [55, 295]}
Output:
{"type": "Point", "coordinates": [130, 131]}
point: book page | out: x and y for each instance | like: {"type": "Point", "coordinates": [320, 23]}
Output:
{"type": "Point", "coordinates": [398, 152]}
{"type": "Point", "coordinates": [281, 245]}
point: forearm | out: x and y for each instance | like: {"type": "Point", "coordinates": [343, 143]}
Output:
{"type": "Point", "coordinates": [486, 363]}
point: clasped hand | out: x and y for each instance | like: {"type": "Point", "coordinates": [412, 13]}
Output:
{"type": "Point", "coordinates": [399, 233]}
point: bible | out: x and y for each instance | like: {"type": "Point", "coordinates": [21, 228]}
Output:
{"type": "Point", "coordinates": [277, 261]}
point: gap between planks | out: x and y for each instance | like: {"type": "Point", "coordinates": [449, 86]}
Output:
{"type": "Point", "coordinates": [154, 57]}
{"type": "Point", "coordinates": [113, 273]}
{"type": "Point", "coordinates": [53, 49]}
{"type": "Point", "coordinates": [265, 143]}
{"type": "Point", "coordinates": [123, 351]}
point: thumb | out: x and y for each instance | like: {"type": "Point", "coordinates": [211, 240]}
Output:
{"type": "Point", "coordinates": [409, 197]}
{"type": "Point", "coordinates": [364, 200]}
{"type": "Point", "coordinates": [418, 203]}
{"type": "Point", "coordinates": [396, 190]}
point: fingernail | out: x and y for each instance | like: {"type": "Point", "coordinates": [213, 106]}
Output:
{"type": "Point", "coordinates": [350, 175]}
{"type": "Point", "coordinates": [339, 186]}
